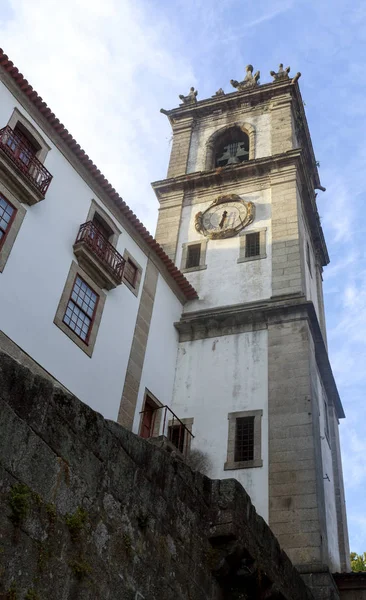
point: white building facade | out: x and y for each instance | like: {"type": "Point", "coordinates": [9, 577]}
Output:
{"type": "Point", "coordinates": [211, 337]}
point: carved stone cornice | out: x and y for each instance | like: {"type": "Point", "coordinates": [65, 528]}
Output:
{"type": "Point", "coordinates": [279, 168]}
{"type": "Point", "coordinates": [255, 316]}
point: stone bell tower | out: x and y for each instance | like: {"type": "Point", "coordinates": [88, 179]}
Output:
{"type": "Point", "coordinates": [238, 215]}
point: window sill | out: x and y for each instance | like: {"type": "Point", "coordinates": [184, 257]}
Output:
{"type": "Point", "coordinates": [250, 258]}
{"type": "Point", "coordinates": [248, 464]}
{"type": "Point", "coordinates": [192, 269]}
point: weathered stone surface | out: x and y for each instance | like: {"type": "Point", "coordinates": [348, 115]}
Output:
{"type": "Point", "coordinates": [91, 511]}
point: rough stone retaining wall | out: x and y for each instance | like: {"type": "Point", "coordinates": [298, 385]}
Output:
{"type": "Point", "coordinates": [90, 511]}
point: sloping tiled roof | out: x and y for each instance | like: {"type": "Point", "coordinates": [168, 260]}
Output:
{"type": "Point", "coordinates": [188, 291]}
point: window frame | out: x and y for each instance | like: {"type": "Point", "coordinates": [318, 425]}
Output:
{"type": "Point", "coordinates": [133, 288]}
{"type": "Point", "coordinates": [326, 418]}
{"type": "Point", "coordinates": [188, 423]}
{"type": "Point", "coordinates": [10, 223]}
{"type": "Point", "coordinates": [308, 257]}
{"type": "Point", "coordinates": [257, 461]}
{"type": "Point", "coordinates": [8, 240]}
{"type": "Point", "coordinates": [88, 345]}
{"type": "Point", "coordinates": [43, 147]}
{"type": "Point", "coordinates": [92, 318]}
{"type": "Point", "coordinates": [97, 209]}
{"type": "Point", "coordinates": [262, 245]}
{"type": "Point", "coordinates": [149, 398]}
{"type": "Point", "coordinates": [202, 264]}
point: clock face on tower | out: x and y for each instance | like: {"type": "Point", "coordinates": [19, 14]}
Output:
{"type": "Point", "coordinates": [226, 216]}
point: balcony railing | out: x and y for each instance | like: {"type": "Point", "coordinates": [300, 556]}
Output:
{"type": "Point", "coordinates": [112, 260]}
{"type": "Point", "coordinates": [24, 159]}
{"type": "Point", "coordinates": [163, 422]}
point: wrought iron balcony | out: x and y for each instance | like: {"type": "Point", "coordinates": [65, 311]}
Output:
{"type": "Point", "coordinates": [98, 257]}
{"type": "Point", "coordinates": [22, 165]}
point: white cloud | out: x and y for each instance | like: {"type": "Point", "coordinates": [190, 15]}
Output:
{"type": "Point", "coordinates": [105, 68]}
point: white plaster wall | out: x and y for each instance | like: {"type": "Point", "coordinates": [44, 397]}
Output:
{"type": "Point", "coordinates": [33, 279]}
{"type": "Point", "coordinates": [217, 376]}
{"type": "Point", "coordinates": [161, 351]}
{"type": "Point", "coordinates": [206, 128]}
{"type": "Point", "coordinates": [329, 491]}
{"type": "Point", "coordinates": [225, 281]}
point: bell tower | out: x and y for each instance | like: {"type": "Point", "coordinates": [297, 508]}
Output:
{"type": "Point", "coordinates": [238, 215]}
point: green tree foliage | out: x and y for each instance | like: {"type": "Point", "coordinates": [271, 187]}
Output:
{"type": "Point", "coordinates": [358, 561]}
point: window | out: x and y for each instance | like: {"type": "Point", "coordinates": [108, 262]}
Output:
{"type": "Point", "coordinates": [80, 309]}
{"type": "Point", "coordinates": [179, 434]}
{"type": "Point", "coordinates": [326, 419]}
{"type": "Point", "coordinates": [194, 256]}
{"type": "Point", "coordinates": [252, 245]}
{"type": "Point", "coordinates": [308, 260]}
{"type": "Point", "coordinates": [22, 154]}
{"type": "Point", "coordinates": [7, 215]}
{"type": "Point", "coordinates": [21, 146]}
{"type": "Point", "coordinates": [12, 213]}
{"type": "Point", "coordinates": [102, 226]}
{"type": "Point", "coordinates": [132, 273]}
{"type": "Point", "coordinates": [148, 418]}
{"type": "Point", "coordinates": [244, 440]}
{"type": "Point", "coordinates": [231, 148]}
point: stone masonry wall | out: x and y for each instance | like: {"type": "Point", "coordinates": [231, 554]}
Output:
{"type": "Point", "coordinates": [91, 511]}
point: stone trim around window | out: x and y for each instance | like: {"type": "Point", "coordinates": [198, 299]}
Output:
{"type": "Point", "coordinates": [97, 208]}
{"type": "Point", "coordinates": [134, 289]}
{"type": "Point", "coordinates": [16, 118]}
{"type": "Point", "coordinates": [202, 265]}
{"type": "Point", "coordinates": [158, 416]}
{"type": "Point", "coordinates": [14, 228]}
{"type": "Point", "coordinates": [61, 309]}
{"type": "Point", "coordinates": [188, 422]}
{"type": "Point", "coordinates": [257, 461]}
{"type": "Point", "coordinates": [262, 245]}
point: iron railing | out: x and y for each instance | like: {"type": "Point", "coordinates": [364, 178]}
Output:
{"type": "Point", "coordinates": [112, 260]}
{"type": "Point", "coordinates": [168, 425]}
{"type": "Point", "coordinates": [24, 159]}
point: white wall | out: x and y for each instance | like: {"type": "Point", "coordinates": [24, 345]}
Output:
{"type": "Point", "coordinates": [206, 128]}
{"type": "Point", "coordinates": [161, 351]}
{"type": "Point", "coordinates": [225, 281]}
{"type": "Point", "coordinates": [216, 376]}
{"type": "Point", "coordinates": [34, 277]}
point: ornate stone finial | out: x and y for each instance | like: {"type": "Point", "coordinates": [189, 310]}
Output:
{"type": "Point", "coordinates": [220, 92]}
{"type": "Point", "coordinates": [191, 98]}
{"type": "Point", "coordinates": [250, 80]}
{"type": "Point", "coordinates": [283, 75]}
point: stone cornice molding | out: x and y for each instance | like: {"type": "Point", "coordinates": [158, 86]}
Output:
{"type": "Point", "coordinates": [254, 316]}
{"type": "Point", "coordinates": [279, 168]}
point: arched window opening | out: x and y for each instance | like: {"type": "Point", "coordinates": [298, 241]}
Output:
{"type": "Point", "coordinates": [232, 148]}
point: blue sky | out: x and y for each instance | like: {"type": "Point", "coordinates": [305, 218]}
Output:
{"type": "Point", "coordinates": [107, 68]}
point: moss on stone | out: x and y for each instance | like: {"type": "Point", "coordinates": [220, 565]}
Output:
{"type": "Point", "coordinates": [19, 503]}
{"type": "Point", "coordinates": [76, 523]}
{"type": "Point", "coordinates": [31, 595]}
{"type": "Point", "coordinates": [51, 512]}
{"type": "Point", "coordinates": [81, 568]}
